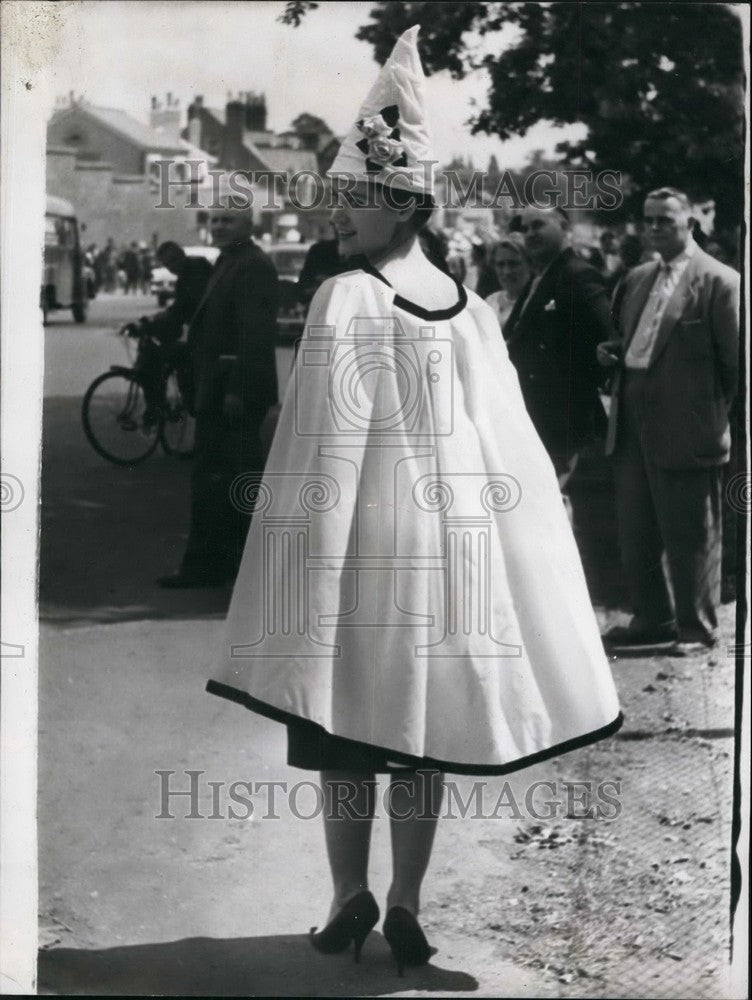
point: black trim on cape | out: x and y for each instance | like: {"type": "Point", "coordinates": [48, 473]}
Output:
{"type": "Point", "coordinates": [411, 307]}
{"type": "Point", "coordinates": [451, 767]}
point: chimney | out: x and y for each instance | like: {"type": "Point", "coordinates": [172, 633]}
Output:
{"type": "Point", "coordinates": [194, 131]}
{"type": "Point", "coordinates": [255, 112]}
{"type": "Point", "coordinates": [234, 119]}
{"type": "Point", "coordinates": [166, 119]}
{"type": "Point", "coordinates": [232, 140]}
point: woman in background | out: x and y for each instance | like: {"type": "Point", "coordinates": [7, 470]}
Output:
{"type": "Point", "coordinates": [514, 271]}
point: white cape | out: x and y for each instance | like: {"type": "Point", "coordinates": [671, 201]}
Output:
{"type": "Point", "coordinates": [410, 578]}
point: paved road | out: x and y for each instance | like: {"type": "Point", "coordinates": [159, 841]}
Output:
{"type": "Point", "coordinates": [107, 531]}
{"type": "Point", "coordinates": [76, 353]}
{"type": "Point", "coordinates": [131, 905]}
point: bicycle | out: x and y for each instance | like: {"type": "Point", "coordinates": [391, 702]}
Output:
{"type": "Point", "coordinates": [127, 412]}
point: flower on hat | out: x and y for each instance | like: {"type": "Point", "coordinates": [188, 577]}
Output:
{"type": "Point", "coordinates": [385, 151]}
{"type": "Point", "coordinates": [373, 126]}
{"type": "Point", "coordinates": [381, 143]}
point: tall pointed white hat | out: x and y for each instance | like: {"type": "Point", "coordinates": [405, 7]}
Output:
{"type": "Point", "coordinates": [390, 141]}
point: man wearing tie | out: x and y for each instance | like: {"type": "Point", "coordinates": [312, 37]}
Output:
{"type": "Point", "coordinates": [231, 340]}
{"type": "Point", "coordinates": [677, 362]}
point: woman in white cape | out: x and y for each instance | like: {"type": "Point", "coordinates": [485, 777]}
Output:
{"type": "Point", "coordinates": [411, 600]}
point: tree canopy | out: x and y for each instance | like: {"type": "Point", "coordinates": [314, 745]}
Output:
{"type": "Point", "coordinates": [658, 85]}
{"type": "Point", "coordinates": [306, 122]}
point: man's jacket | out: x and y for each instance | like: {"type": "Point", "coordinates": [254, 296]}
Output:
{"type": "Point", "coordinates": [232, 335]}
{"type": "Point", "coordinates": [552, 344]}
{"type": "Point", "coordinates": [691, 378]}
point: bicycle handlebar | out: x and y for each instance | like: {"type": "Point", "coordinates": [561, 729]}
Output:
{"type": "Point", "coordinates": [134, 329]}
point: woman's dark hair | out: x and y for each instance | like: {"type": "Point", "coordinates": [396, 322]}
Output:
{"type": "Point", "coordinates": [398, 198]}
{"type": "Point", "coordinates": [434, 248]}
{"type": "Point", "coordinates": [169, 246]}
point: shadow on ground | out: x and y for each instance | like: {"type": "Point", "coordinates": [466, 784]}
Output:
{"type": "Point", "coordinates": [109, 531]}
{"type": "Point", "coordinates": [284, 965]}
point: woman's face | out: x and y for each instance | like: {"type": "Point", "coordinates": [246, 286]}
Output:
{"type": "Point", "coordinates": [511, 270]}
{"type": "Point", "coordinates": [365, 223]}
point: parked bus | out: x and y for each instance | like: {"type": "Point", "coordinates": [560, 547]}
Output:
{"type": "Point", "coordinates": [63, 284]}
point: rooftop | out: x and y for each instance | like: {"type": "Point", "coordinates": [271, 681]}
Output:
{"type": "Point", "coordinates": [281, 159]}
{"type": "Point", "coordinates": [125, 125]}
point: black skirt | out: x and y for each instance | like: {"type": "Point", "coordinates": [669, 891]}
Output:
{"type": "Point", "coordinates": [312, 748]}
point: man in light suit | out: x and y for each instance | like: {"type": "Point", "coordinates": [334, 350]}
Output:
{"type": "Point", "coordinates": [231, 340]}
{"type": "Point", "coordinates": [676, 374]}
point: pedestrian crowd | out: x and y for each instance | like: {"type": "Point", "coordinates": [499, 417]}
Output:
{"type": "Point", "coordinates": [126, 269]}
{"type": "Point", "coordinates": [632, 343]}
{"type": "Point", "coordinates": [376, 505]}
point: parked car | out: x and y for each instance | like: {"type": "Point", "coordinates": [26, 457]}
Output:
{"type": "Point", "coordinates": [288, 258]}
{"type": "Point", "coordinates": [162, 282]}
{"type": "Point", "coordinates": [63, 271]}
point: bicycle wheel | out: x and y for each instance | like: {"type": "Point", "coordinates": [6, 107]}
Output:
{"type": "Point", "coordinates": [113, 416]}
{"type": "Point", "coordinates": [178, 432]}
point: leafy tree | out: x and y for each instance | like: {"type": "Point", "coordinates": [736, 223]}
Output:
{"type": "Point", "coordinates": [660, 86]}
{"type": "Point", "coordinates": [295, 10]}
{"type": "Point", "coordinates": [306, 124]}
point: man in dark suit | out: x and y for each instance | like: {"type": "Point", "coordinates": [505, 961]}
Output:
{"type": "Point", "coordinates": [232, 340]}
{"type": "Point", "coordinates": [552, 334]}
{"type": "Point", "coordinates": [676, 376]}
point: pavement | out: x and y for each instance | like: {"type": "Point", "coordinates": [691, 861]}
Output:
{"type": "Point", "coordinates": [132, 902]}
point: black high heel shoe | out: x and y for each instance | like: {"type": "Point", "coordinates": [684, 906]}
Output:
{"type": "Point", "coordinates": [354, 922]}
{"type": "Point", "coordinates": [406, 939]}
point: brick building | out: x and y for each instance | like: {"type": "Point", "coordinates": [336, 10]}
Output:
{"type": "Point", "coordinates": [238, 136]}
{"type": "Point", "coordinates": [105, 162]}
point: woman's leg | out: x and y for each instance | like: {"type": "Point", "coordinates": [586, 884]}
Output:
{"type": "Point", "coordinates": [349, 799]}
{"type": "Point", "coordinates": [414, 804]}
